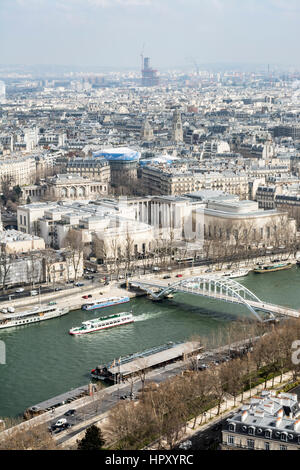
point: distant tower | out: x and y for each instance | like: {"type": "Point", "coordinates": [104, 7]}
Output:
{"type": "Point", "coordinates": [149, 75]}
{"type": "Point", "coordinates": [147, 131]}
{"type": "Point", "coordinates": [2, 92]}
{"type": "Point", "coordinates": [177, 132]}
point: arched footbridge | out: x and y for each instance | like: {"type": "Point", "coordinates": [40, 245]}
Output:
{"type": "Point", "coordinates": [215, 287]}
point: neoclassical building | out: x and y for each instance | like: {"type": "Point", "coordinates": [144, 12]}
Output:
{"type": "Point", "coordinates": [65, 187]}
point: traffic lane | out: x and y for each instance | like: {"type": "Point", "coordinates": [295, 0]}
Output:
{"type": "Point", "coordinates": [44, 290]}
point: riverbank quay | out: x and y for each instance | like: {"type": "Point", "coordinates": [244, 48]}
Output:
{"type": "Point", "coordinates": [93, 406]}
{"type": "Point", "coordinates": [72, 298]}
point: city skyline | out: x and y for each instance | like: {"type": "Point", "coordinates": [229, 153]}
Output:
{"type": "Point", "coordinates": [114, 33]}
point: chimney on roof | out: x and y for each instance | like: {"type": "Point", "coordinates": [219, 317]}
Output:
{"type": "Point", "coordinates": [278, 422]}
{"type": "Point", "coordinates": [297, 425]}
{"type": "Point", "coordinates": [280, 413]}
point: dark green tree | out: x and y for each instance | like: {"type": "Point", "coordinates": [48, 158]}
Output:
{"type": "Point", "coordinates": [93, 439]}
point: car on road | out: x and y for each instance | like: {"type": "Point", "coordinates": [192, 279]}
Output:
{"type": "Point", "coordinates": [85, 296]}
{"type": "Point", "coordinates": [89, 276]}
{"type": "Point", "coordinates": [208, 271]}
{"type": "Point", "coordinates": [57, 429]}
{"type": "Point", "coordinates": [167, 276]}
{"type": "Point", "coordinates": [57, 289]}
{"type": "Point", "coordinates": [185, 445]}
{"type": "Point", "coordinates": [19, 290]}
{"type": "Point", "coordinates": [61, 422]}
{"type": "Point", "coordinates": [70, 412]}
{"type": "Point", "coordinates": [178, 275]}
{"type": "Point", "coordinates": [34, 292]}
{"type": "Point", "coordinates": [78, 284]}
{"type": "Point", "coordinates": [52, 302]}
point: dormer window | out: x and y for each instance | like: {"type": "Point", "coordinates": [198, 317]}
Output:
{"type": "Point", "coordinates": [268, 434]}
{"type": "Point", "coordinates": [251, 430]}
{"type": "Point", "coordinates": [284, 436]}
{"type": "Point", "coordinates": [232, 427]}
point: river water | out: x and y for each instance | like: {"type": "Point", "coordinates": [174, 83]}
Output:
{"type": "Point", "coordinates": [43, 360]}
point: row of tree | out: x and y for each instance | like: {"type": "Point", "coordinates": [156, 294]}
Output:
{"type": "Point", "coordinates": [162, 412]}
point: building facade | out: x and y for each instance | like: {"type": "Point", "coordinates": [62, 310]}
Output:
{"type": "Point", "coordinates": [269, 422]}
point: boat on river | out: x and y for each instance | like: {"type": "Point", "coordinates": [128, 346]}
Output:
{"type": "Point", "coordinates": [236, 274]}
{"type": "Point", "coordinates": [32, 316]}
{"type": "Point", "coordinates": [104, 302]}
{"type": "Point", "coordinates": [102, 323]}
{"type": "Point", "coordinates": [269, 268]}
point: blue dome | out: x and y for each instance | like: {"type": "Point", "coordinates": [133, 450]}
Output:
{"type": "Point", "coordinates": [121, 153]}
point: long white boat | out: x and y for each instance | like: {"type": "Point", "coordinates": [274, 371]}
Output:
{"type": "Point", "coordinates": [235, 274]}
{"type": "Point", "coordinates": [104, 302]}
{"type": "Point", "coordinates": [32, 316]}
{"type": "Point", "coordinates": [102, 323]}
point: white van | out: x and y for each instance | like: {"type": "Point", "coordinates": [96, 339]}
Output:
{"type": "Point", "coordinates": [33, 292]}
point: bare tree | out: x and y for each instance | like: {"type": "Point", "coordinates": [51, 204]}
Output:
{"type": "Point", "coordinates": [75, 246]}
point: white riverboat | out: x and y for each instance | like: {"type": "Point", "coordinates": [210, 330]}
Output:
{"type": "Point", "coordinates": [102, 323]}
{"type": "Point", "coordinates": [32, 316]}
{"type": "Point", "coordinates": [104, 302]}
{"type": "Point", "coordinates": [235, 274]}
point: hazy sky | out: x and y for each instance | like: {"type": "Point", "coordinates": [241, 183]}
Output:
{"type": "Point", "coordinates": [112, 32]}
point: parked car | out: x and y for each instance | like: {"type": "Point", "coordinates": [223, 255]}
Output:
{"type": "Point", "coordinates": [185, 445]}
{"type": "Point", "coordinates": [34, 292]}
{"type": "Point", "coordinates": [70, 413]}
{"type": "Point", "coordinates": [57, 288]}
{"type": "Point", "coordinates": [61, 422]}
{"type": "Point", "coordinates": [19, 290]}
{"type": "Point", "coordinates": [78, 284]}
{"type": "Point", "coordinates": [178, 275]}
{"type": "Point", "coordinates": [167, 276]}
{"type": "Point", "coordinates": [85, 296]}
{"type": "Point", "coordinates": [52, 303]}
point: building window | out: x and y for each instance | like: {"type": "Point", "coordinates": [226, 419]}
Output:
{"type": "Point", "coordinates": [282, 447]}
{"type": "Point", "coordinates": [250, 443]}
{"type": "Point", "coordinates": [251, 430]}
{"type": "Point", "coordinates": [284, 436]}
{"type": "Point", "coordinates": [230, 440]}
{"type": "Point", "coordinates": [267, 445]}
{"type": "Point", "coordinates": [232, 427]}
{"type": "Point", "coordinates": [268, 434]}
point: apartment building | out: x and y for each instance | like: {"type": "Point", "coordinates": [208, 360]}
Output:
{"type": "Point", "coordinates": [268, 422]}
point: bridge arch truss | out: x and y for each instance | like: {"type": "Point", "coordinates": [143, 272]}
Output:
{"type": "Point", "coordinates": [211, 286]}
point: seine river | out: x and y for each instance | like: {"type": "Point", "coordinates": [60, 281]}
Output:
{"type": "Point", "coordinates": [43, 360]}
